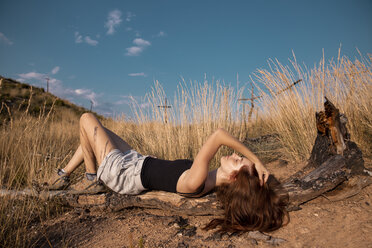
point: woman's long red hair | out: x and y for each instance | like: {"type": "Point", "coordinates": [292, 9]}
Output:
{"type": "Point", "coordinates": [248, 206]}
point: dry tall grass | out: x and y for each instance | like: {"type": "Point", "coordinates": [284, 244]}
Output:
{"type": "Point", "coordinates": [30, 147]}
{"type": "Point", "coordinates": [291, 114]}
{"type": "Point", "coordinates": [197, 110]}
{"type": "Point", "coordinates": [200, 108]}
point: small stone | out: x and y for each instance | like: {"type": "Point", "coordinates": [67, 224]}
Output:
{"type": "Point", "coordinates": [316, 215]}
{"type": "Point", "coordinates": [303, 230]}
{"type": "Point", "coordinates": [368, 225]}
{"type": "Point", "coordinates": [254, 242]}
{"type": "Point", "coordinates": [357, 209]}
{"type": "Point", "coordinates": [282, 162]}
{"type": "Point", "coordinates": [214, 236]}
{"type": "Point", "coordinates": [182, 245]}
{"type": "Point", "coordinates": [189, 232]}
{"type": "Point", "coordinates": [365, 230]}
{"type": "Point", "coordinates": [225, 237]}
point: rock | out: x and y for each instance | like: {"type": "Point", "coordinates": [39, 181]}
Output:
{"type": "Point", "coordinates": [303, 230]}
{"type": "Point", "coordinates": [188, 231]}
{"type": "Point", "coordinates": [254, 242]}
{"type": "Point", "coordinates": [182, 244]}
{"type": "Point", "coordinates": [214, 236]}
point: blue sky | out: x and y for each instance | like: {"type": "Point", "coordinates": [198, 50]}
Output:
{"type": "Point", "coordinates": [107, 51]}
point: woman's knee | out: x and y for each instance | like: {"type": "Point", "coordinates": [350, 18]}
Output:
{"type": "Point", "coordinates": [87, 118]}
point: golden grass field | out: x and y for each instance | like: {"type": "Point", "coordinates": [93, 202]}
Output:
{"type": "Point", "coordinates": [32, 145]}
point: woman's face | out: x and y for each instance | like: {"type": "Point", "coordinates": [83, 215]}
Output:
{"type": "Point", "coordinates": [233, 163]}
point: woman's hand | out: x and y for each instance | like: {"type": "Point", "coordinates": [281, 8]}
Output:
{"type": "Point", "coordinates": [263, 173]}
{"type": "Point", "coordinates": [224, 138]}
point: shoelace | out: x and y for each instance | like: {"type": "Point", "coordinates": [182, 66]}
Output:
{"type": "Point", "coordinates": [65, 178]}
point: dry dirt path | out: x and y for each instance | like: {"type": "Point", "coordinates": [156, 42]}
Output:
{"type": "Point", "coordinates": [320, 223]}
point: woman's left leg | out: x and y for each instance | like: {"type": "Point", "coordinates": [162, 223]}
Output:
{"type": "Point", "coordinates": [75, 161]}
{"type": "Point", "coordinates": [95, 143]}
{"type": "Point", "coordinates": [78, 156]}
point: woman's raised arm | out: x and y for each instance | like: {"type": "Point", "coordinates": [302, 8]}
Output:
{"type": "Point", "coordinates": [228, 140]}
{"type": "Point", "coordinates": [198, 172]}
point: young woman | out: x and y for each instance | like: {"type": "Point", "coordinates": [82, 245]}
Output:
{"type": "Point", "coordinates": [250, 202]}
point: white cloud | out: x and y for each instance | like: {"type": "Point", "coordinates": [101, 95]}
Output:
{"type": "Point", "coordinates": [130, 15]}
{"type": "Point", "coordinates": [137, 74]}
{"type": "Point", "coordinates": [39, 77]}
{"type": "Point", "coordinates": [78, 38]}
{"type": "Point", "coordinates": [161, 34]}
{"type": "Point", "coordinates": [55, 70]}
{"type": "Point", "coordinates": [145, 105]}
{"type": "Point", "coordinates": [30, 75]}
{"type": "Point", "coordinates": [57, 88]}
{"type": "Point", "coordinates": [4, 39]}
{"type": "Point", "coordinates": [113, 20]}
{"type": "Point", "coordinates": [80, 96]}
{"type": "Point", "coordinates": [81, 91]}
{"type": "Point", "coordinates": [87, 39]}
{"type": "Point", "coordinates": [90, 41]}
{"type": "Point", "coordinates": [141, 44]}
{"type": "Point", "coordinates": [36, 76]}
{"type": "Point", "coordinates": [87, 94]}
{"type": "Point", "coordinates": [129, 100]}
{"type": "Point", "coordinates": [134, 51]}
{"type": "Point", "coordinates": [134, 101]}
{"type": "Point", "coordinates": [40, 80]}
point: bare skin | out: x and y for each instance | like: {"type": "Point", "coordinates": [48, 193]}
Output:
{"type": "Point", "coordinates": [198, 174]}
{"type": "Point", "coordinates": [96, 142]}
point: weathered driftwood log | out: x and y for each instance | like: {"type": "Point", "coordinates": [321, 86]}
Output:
{"type": "Point", "coordinates": [334, 159]}
{"type": "Point", "coordinates": [173, 203]}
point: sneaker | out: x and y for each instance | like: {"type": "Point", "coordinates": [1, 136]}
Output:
{"type": "Point", "coordinates": [59, 181]}
{"type": "Point", "coordinates": [86, 186]}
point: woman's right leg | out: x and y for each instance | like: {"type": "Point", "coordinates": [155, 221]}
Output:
{"type": "Point", "coordinates": [95, 141]}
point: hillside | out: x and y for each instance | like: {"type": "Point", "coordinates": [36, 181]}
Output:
{"type": "Point", "coordinates": [17, 97]}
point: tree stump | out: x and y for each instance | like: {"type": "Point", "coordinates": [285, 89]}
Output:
{"type": "Point", "coordinates": [334, 159]}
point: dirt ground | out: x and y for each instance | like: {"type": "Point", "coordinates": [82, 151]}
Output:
{"type": "Point", "coordinates": [320, 223]}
